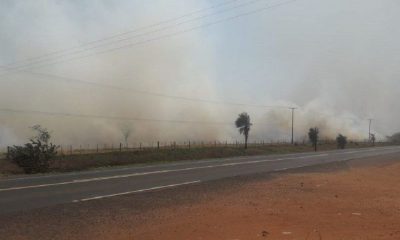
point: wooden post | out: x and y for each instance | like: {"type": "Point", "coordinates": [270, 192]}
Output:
{"type": "Point", "coordinates": [120, 147]}
{"type": "Point", "coordinates": [97, 148]}
{"type": "Point", "coordinates": [70, 149]}
{"type": "Point", "coordinates": [189, 144]}
{"type": "Point", "coordinates": [8, 152]}
{"type": "Point", "coordinates": [158, 144]}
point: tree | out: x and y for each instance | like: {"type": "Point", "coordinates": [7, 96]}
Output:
{"type": "Point", "coordinates": [373, 139]}
{"type": "Point", "coordinates": [244, 124]}
{"type": "Point", "coordinates": [341, 141]}
{"type": "Point", "coordinates": [126, 132]}
{"type": "Point", "coordinates": [36, 155]}
{"type": "Point", "coordinates": [313, 136]}
{"type": "Point", "coordinates": [395, 138]}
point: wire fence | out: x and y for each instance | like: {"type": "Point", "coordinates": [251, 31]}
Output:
{"type": "Point", "coordinates": [71, 149]}
{"type": "Point", "coordinates": [146, 146]}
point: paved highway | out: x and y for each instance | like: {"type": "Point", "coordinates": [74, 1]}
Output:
{"type": "Point", "coordinates": [25, 193]}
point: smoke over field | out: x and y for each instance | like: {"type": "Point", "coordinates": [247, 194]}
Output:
{"type": "Point", "coordinates": [338, 65]}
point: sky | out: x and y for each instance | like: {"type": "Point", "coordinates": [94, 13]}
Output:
{"type": "Point", "coordinates": [336, 61]}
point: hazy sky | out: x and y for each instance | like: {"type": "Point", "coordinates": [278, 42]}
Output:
{"type": "Point", "coordinates": [338, 60]}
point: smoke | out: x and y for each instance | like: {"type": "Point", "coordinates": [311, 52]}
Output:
{"type": "Point", "coordinates": [338, 70]}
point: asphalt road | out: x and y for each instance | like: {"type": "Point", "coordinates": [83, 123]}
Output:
{"type": "Point", "coordinates": [25, 193]}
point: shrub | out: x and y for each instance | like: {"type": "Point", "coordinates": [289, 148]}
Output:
{"type": "Point", "coordinates": [313, 136]}
{"type": "Point", "coordinates": [341, 141]}
{"type": "Point", "coordinates": [35, 156]}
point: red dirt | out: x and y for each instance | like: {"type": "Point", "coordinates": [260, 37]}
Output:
{"type": "Point", "coordinates": [357, 204]}
{"type": "Point", "coordinates": [360, 202]}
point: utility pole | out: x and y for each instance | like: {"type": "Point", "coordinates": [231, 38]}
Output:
{"type": "Point", "coordinates": [369, 129]}
{"type": "Point", "coordinates": [292, 123]}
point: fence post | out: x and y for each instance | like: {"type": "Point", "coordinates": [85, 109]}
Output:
{"type": "Point", "coordinates": [70, 149]}
{"type": "Point", "coordinates": [8, 152]}
{"type": "Point", "coordinates": [189, 144]}
{"type": "Point", "coordinates": [97, 148]}
{"type": "Point", "coordinates": [120, 147]}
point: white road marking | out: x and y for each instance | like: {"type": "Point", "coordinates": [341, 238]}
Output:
{"type": "Point", "coordinates": [185, 169]}
{"type": "Point", "coordinates": [157, 172]}
{"type": "Point", "coordinates": [187, 163]}
{"type": "Point", "coordinates": [135, 191]}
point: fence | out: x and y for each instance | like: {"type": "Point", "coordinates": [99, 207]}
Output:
{"type": "Point", "coordinates": [152, 146]}
{"type": "Point", "coordinates": [120, 147]}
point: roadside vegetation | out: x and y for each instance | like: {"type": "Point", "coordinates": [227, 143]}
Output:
{"type": "Point", "coordinates": [243, 124]}
{"type": "Point", "coordinates": [40, 155]}
{"type": "Point", "coordinates": [84, 161]}
{"type": "Point", "coordinates": [36, 155]}
{"type": "Point", "coordinates": [341, 141]}
{"type": "Point", "coordinates": [313, 135]}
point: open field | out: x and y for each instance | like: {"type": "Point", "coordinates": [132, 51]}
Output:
{"type": "Point", "coordinates": [89, 159]}
{"type": "Point", "coordinates": [355, 199]}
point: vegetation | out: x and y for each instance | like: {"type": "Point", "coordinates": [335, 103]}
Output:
{"type": "Point", "coordinates": [80, 161]}
{"type": "Point", "coordinates": [313, 136]}
{"type": "Point", "coordinates": [35, 156]}
{"type": "Point", "coordinates": [244, 124]}
{"type": "Point", "coordinates": [341, 141]}
{"type": "Point", "coordinates": [395, 138]}
{"type": "Point", "coordinates": [373, 139]}
{"type": "Point", "coordinates": [126, 132]}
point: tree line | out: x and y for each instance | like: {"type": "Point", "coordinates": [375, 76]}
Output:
{"type": "Point", "coordinates": [36, 155]}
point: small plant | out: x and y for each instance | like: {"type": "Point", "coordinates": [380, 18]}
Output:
{"type": "Point", "coordinates": [313, 136]}
{"type": "Point", "coordinates": [341, 141]}
{"type": "Point", "coordinates": [35, 156]}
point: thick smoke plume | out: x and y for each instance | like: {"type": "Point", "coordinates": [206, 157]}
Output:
{"type": "Point", "coordinates": [337, 72]}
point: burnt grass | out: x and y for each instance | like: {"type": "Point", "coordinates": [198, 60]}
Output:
{"type": "Point", "coordinates": [85, 161]}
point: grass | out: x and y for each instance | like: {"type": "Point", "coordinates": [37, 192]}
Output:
{"type": "Point", "coordinates": [78, 162]}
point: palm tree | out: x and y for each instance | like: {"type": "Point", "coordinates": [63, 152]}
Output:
{"type": "Point", "coordinates": [243, 123]}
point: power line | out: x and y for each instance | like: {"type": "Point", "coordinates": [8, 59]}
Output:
{"type": "Point", "coordinates": [62, 114]}
{"type": "Point", "coordinates": [162, 36]}
{"type": "Point", "coordinates": [165, 28]}
{"type": "Point", "coordinates": [334, 116]}
{"type": "Point", "coordinates": [91, 116]}
{"type": "Point", "coordinates": [122, 33]}
{"type": "Point", "coordinates": [156, 94]}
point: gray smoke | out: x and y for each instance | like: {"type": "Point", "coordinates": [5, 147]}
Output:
{"type": "Point", "coordinates": [337, 66]}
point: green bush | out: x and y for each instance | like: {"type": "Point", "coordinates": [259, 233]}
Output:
{"type": "Point", "coordinates": [35, 156]}
{"type": "Point", "coordinates": [341, 141]}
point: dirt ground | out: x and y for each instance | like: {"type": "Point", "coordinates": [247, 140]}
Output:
{"type": "Point", "coordinates": [355, 204]}
{"type": "Point", "coordinates": [332, 202]}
